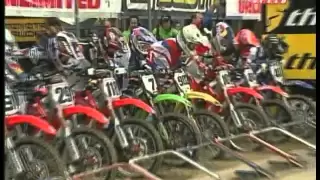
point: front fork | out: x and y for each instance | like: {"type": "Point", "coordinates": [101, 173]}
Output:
{"type": "Point", "coordinates": [234, 115]}
{"type": "Point", "coordinates": [71, 146]}
{"type": "Point", "coordinates": [13, 157]}
{"type": "Point", "coordinates": [117, 127]}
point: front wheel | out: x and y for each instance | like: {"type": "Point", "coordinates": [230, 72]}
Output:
{"type": "Point", "coordinates": [252, 118]}
{"type": "Point", "coordinates": [211, 126]}
{"type": "Point", "coordinates": [45, 162]}
{"type": "Point", "coordinates": [143, 139]}
{"type": "Point", "coordinates": [96, 151]}
{"type": "Point", "coordinates": [182, 133]}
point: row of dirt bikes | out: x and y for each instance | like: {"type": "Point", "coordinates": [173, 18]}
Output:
{"type": "Point", "coordinates": [61, 132]}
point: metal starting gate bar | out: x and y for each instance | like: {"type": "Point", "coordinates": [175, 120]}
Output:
{"type": "Point", "coordinates": [309, 123]}
{"type": "Point", "coordinates": [258, 170]}
{"type": "Point", "coordinates": [178, 154]}
{"type": "Point", "coordinates": [130, 166]}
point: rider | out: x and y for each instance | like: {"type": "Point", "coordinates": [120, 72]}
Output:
{"type": "Point", "coordinates": [115, 47]}
{"type": "Point", "coordinates": [64, 52]}
{"type": "Point", "coordinates": [248, 46]}
{"type": "Point", "coordinates": [225, 37]}
{"type": "Point", "coordinates": [173, 52]}
{"type": "Point", "coordinates": [274, 46]}
{"type": "Point", "coordinates": [140, 41]}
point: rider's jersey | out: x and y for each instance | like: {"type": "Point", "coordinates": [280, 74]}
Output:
{"type": "Point", "coordinates": [164, 54]}
{"type": "Point", "coordinates": [52, 48]}
{"type": "Point", "coordinates": [251, 54]}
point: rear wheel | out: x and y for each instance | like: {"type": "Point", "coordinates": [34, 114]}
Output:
{"type": "Point", "coordinates": [303, 108]}
{"type": "Point", "coordinates": [45, 162]}
{"type": "Point", "coordinates": [252, 118]}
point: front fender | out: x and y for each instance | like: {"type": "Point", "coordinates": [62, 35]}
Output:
{"type": "Point", "coordinates": [203, 96]}
{"type": "Point", "coordinates": [245, 90]}
{"type": "Point", "coordinates": [37, 122]}
{"type": "Point", "coordinates": [299, 83]}
{"type": "Point", "coordinates": [172, 97]}
{"type": "Point", "coordinates": [275, 89]}
{"type": "Point", "coordinates": [133, 101]}
{"type": "Point", "coordinates": [88, 111]}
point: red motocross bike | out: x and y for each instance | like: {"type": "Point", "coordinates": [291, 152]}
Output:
{"type": "Point", "coordinates": [28, 157]}
{"type": "Point", "coordinates": [240, 117]}
{"type": "Point", "coordinates": [134, 137]}
{"type": "Point", "coordinates": [276, 110]}
{"type": "Point", "coordinates": [82, 148]}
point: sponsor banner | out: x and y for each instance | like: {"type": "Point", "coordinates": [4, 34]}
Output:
{"type": "Point", "coordinates": [300, 60]}
{"type": "Point", "coordinates": [296, 22]}
{"type": "Point", "coordinates": [24, 29]}
{"type": "Point", "coordinates": [244, 9]}
{"type": "Point", "coordinates": [62, 8]}
{"type": "Point", "coordinates": [171, 5]}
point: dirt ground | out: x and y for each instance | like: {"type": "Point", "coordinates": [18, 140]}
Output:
{"type": "Point", "coordinates": [226, 167]}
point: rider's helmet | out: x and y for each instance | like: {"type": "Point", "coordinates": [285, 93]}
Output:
{"type": "Point", "coordinates": [224, 33]}
{"type": "Point", "coordinates": [116, 47]}
{"type": "Point", "coordinates": [191, 40]}
{"type": "Point", "coordinates": [141, 39]}
{"type": "Point", "coordinates": [68, 45]}
{"type": "Point", "coordinates": [246, 37]}
{"type": "Point", "coordinates": [275, 46]}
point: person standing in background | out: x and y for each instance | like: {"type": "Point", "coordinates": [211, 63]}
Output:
{"type": "Point", "coordinates": [107, 24]}
{"type": "Point", "coordinates": [133, 23]}
{"type": "Point", "coordinates": [197, 19]}
{"type": "Point", "coordinates": [165, 30]}
{"type": "Point", "coordinates": [177, 26]}
{"type": "Point", "coordinates": [204, 20]}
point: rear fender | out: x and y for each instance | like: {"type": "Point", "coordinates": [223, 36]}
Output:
{"type": "Point", "coordinates": [245, 90]}
{"type": "Point", "coordinates": [299, 83]}
{"type": "Point", "coordinates": [88, 111]}
{"type": "Point", "coordinates": [133, 101]}
{"type": "Point", "coordinates": [37, 122]}
{"type": "Point", "coordinates": [172, 97]}
{"type": "Point", "coordinates": [275, 89]}
{"type": "Point", "coordinates": [203, 96]}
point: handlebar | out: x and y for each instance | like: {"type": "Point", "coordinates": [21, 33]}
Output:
{"type": "Point", "coordinates": [95, 73]}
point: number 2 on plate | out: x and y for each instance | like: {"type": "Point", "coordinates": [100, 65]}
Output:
{"type": "Point", "coordinates": [64, 94]}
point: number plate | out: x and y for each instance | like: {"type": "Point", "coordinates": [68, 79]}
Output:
{"type": "Point", "coordinates": [150, 83]}
{"type": "Point", "coordinates": [250, 77]}
{"type": "Point", "coordinates": [224, 78]}
{"type": "Point", "coordinates": [277, 72]}
{"type": "Point", "coordinates": [62, 94]}
{"type": "Point", "coordinates": [110, 88]}
{"type": "Point", "coordinates": [11, 106]}
{"type": "Point", "coordinates": [182, 81]}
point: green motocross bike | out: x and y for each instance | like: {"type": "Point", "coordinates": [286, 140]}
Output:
{"type": "Point", "coordinates": [179, 127]}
